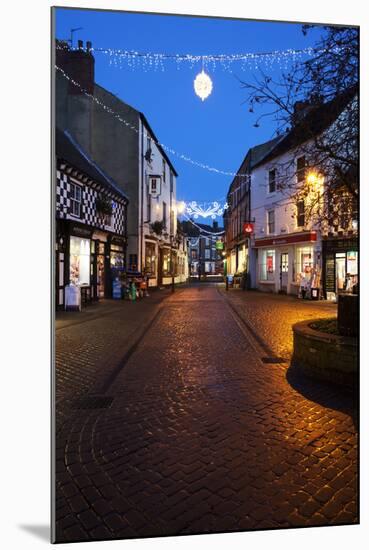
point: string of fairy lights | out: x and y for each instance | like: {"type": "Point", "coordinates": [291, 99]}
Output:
{"type": "Point", "coordinates": [121, 119]}
{"type": "Point", "coordinates": [203, 86]}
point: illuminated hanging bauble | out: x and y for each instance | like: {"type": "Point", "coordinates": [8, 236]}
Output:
{"type": "Point", "coordinates": [203, 85]}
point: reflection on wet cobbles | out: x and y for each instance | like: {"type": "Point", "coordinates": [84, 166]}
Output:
{"type": "Point", "coordinates": [201, 436]}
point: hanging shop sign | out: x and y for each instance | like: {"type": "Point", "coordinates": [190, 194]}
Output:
{"type": "Point", "coordinates": [154, 186]}
{"type": "Point", "coordinates": [219, 245]}
{"type": "Point", "coordinates": [248, 228]}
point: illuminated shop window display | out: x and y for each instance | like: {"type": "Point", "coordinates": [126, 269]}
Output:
{"type": "Point", "coordinates": [267, 265]}
{"type": "Point", "coordinates": [304, 263]}
{"type": "Point", "coordinates": [79, 261]}
{"type": "Point", "coordinates": [116, 256]}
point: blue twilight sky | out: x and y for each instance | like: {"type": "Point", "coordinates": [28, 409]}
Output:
{"type": "Point", "coordinates": [218, 131]}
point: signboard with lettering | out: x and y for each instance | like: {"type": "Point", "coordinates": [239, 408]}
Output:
{"type": "Point", "coordinates": [154, 185]}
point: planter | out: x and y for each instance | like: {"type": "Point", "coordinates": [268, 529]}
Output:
{"type": "Point", "coordinates": [325, 356]}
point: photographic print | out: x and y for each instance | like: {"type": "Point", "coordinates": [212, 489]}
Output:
{"type": "Point", "coordinates": [205, 180]}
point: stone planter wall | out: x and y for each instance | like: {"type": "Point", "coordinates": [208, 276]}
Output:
{"type": "Point", "coordinates": [325, 356]}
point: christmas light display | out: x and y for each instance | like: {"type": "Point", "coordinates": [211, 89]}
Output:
{"type": "Point", "coordinates": [135, 129]}
{"type": "Point", "coordinates": [156, 61]}
{"type": "Point", "coordinates": [205, 210]}
{"type": "Point", "coordinates": [203, 85]}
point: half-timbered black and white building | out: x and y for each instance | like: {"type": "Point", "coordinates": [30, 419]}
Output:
{"type": "Point", "coordinates": [91, 214]}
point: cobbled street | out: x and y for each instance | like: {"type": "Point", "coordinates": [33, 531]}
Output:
{"type": "Point", "coordinates": [172, 421]}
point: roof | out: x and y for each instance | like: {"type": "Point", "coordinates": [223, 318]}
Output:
{"type": "Point", "coordinates": [316, 120]}
{"type": "Point", "coordinates": [192, 230]}
{"type": "Point", "coordinates": [146, 122]}
{"type": "Point", "coordinates": [258, 152]}
{"type": "Point", "coordinates": [254, 155]}
{"type": "Point", "coordinates": [69, 150]}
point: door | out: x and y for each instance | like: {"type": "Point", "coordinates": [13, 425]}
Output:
{"type": "Point", "coordinates": [340, 270]}
{"type": "Point", "coordinates": [100, 270]}
{"type": "Point", "coordinates": [284, 272]}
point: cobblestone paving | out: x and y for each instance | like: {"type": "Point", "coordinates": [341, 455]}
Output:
{"type": "Point", "coordinates": [201, 435]}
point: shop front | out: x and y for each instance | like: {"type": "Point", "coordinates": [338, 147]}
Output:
{"type": "Point", "coordinates": [288, 264]}
{"type": "Point", "coordinates": [341, 266]}
{"type": "Point", "coordinates": [87, 258]}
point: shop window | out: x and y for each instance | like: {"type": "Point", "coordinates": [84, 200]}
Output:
{"type": "Point", "coordinates": [75, 199]}
{"type": "Point", "coordinates": [79, 261]}
{"type": "Point", "coordinates": [116, 256]}
{"type": "Point", "coordinates": [352, 261]}
{"type": "Point", "coordinates": [271, 222]}
{"type": "Point", "coordinates": [304, 263]}
{"type": "Point", "coordinates": [168, 263]}
{"type": "Point", "coordinates": [267, 265]}
{"type": "Point", "coordinates": [272, 178]}
{"type": "Point", "coordinates": [300, 214]}
{"type": "Point", "coordinates": [150, 258]}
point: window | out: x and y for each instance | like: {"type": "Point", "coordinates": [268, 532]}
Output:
{"type": "Point", "coordinates": [207, 253]}
{"type": "Point", "coordinates": [164, 215]}
{"type": "Point", "coordinates": [79, 261]}
{"type": "Point", "coordinates": [267, 265]}
{"type": "Point", "coordinates": [148, 206]}
{"type": "Point", "coordinates": [171, 179]}
{"type": "Point", "coordinates": [272, 178]}
{"type": "Point", "coordinates": [169, 263]}
{"type": "Point", "coordinates": [300, 169]}
{"type": "Point", "coordinates": [164, 170]}
{"type": "Point", "coordinates": [304, 263]}
{"type": "Point", "coordinates": [207, 241]}
{"type": "Point", "coordinates": [75, 199]}
{"type": "Point", "coordinates": [171, 222]}
{"type": "Point", "coordinates": [193, 254]}
{"type": "Point", "coordinates": [150, 258]}
{"type": "Point", "coordinates": [300, 214]}
{"type": "Point", "coordinates": [271, 222]}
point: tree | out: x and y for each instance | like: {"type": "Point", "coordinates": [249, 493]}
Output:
{"type": "Point", "coordinates": [315, 107]}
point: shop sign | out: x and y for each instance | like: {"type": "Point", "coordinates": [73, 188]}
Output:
{"type": "Point", "coordinates": [248, 228]}
{"type": "Point", "coordinates": [99, 235]}
{"type": "Point", "coordinates": [219, 245]}
{"type": "Point", "coordinates": [79, 231]}
{"type": "Point", "coordinates": [154, 185]}
{"type": "Point", "coordinates": [290, 239]}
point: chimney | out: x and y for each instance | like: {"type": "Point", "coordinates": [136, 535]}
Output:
{"type": "Point", "coordinates": [300, 110]}
{"type": "Point", "coordinates": [215, 225]}
{"type": "Point", "coordinates": [78, 64]}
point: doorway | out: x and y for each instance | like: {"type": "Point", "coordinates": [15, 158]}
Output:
{"type": "Point", "coordinates": [340, 270]}
{"type": "Point", "coordinates": [284, 272]}
{"type": "Point", "coordinates": [100, 271]}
